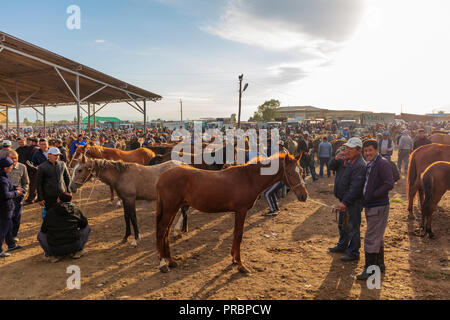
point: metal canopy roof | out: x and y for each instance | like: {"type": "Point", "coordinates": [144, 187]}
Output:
{"type": "Point", "coordinates": [42, 77]}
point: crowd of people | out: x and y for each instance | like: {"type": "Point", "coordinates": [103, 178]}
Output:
{"type": "Point", "coordinates": [35, 170]}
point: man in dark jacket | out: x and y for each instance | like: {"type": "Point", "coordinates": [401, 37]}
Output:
{"type": "Point", "coordinates": [421, 139]}
{"type": "Point", "coordinates": [8, 194]}
{"type": "Point", "coordinates": [27, 156]}
{"type": "Point", "coordinates": [386, 146]}
{"type": "Point", "coordinates": [64, 231]}
{"type": "Point", "coordinates": [350, 170]}
{"type": "Point", "coordinates": [53, 179]}
{"type": "Point", "coordinates": [62, 149]}
{"type": "Point", "coordinates": [379, 181]}
{"type": "Point", "coordinates": [41, 155]}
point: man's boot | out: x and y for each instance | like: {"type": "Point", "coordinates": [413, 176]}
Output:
{"type": "Point", "coordinates": [371, 259]}
{"type": "Point", "coordinates": [380, 261]}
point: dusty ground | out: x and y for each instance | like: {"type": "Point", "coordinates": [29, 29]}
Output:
{"type": "Point", "coordinates": [287, 253]}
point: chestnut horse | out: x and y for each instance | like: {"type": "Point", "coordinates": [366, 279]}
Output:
{"type": "Point", "coordinates": [440, 138]}
{"type": "Point", "coordinates": [435, 182]}
{"type": "Point", "coordinates": [419, 160]}
{"type": "Point", "coordinates": [131, 181]}
{"type": "Point", "coordinates": [139, 156]}
{"type": "Point", "coordinates": [233, 189]}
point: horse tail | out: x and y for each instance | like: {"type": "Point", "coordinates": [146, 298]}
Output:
{"type": "Point", "coordinates": [428, 183]}
{"type": "Point", "coordinates": [159, 208]}
{"type": "Point", "coordinates": [412, 174]}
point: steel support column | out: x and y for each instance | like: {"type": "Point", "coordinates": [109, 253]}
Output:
{"type": "Point", "coordinates": [45, 121]}
{"type": "Point", "coordinates": [77, 82]}
{"type": "Point", "coordinates": [89, 118]}
{"type": "Point", "coordinates": [7, 120]}
{"type": "Point", "coordinates": [145, 116]}
{"type": "Point", "coordinates": [17, 109]}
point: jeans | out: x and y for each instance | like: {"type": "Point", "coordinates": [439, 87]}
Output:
{"type": "Point", "coordinates": [271, 197]}
{"type": "Point", "coordinates": [324, 161]}
{"type": "Point", "coordinates": [64, 249]}
{"type": "Point", "coordinates": [308, 163]}
{"type": "Point", "coordinates": [403, 156]}
{"type": "Point", "coordinates": [17, 215]}
{"type": "Point", "coordinates": [5, 233]}
{"type": "Point", "coordinates": [351, 240]}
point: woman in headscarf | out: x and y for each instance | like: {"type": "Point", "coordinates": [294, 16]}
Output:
{"type": "Point", "coordinates": [7, 195]}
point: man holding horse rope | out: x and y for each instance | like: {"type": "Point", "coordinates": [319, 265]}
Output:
{"type": "Point", "coordinates": [350, 170]}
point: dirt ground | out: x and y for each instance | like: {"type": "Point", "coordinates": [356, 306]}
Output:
{"type": "Point", "coordinates": [287, 254]}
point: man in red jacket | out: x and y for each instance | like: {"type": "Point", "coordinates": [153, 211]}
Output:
{"type": "Point", "coordinates": [379, 181]}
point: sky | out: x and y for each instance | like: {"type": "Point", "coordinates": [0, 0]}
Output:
{"type": "Point", "coordinates": [376, 55]}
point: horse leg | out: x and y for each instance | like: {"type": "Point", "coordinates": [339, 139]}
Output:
{"type": "Point", "coordinates": [411, 195]}
{"type": "Point", "coordinates": [132, 212]}
{"type": "Point", "coordinates": [181, 225]}
{"type": "Point", "coordinates": [164, 217]}
{"type": "Point", "coordinates": [127, 224]}
{"type": "Point", "coordinates": [166, 248]}
{"type": "Point", "coordinates": [238, 232]}
{"type": "Point", "coordinates": [112, 193]}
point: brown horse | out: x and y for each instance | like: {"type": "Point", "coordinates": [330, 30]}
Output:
{"type": "Point", "coordinates": [234, 189]}
{"type": "Point", "coordinates": [440, 138]}
{"type": "Point", "coordinates": [139, 156]}
{"type": "Point", "coordinates": [419, 160]}
{"type": "Point", "coordinates": [140, 185]}
{"type": "Point", "coordinates": [435, 182]}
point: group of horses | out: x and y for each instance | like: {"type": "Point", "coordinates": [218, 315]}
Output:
{"type": "Point", "coordinates": [150, 174]}
{"type": "Point", "coordinates": [175, 185]}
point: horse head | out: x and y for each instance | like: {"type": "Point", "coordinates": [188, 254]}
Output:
{"type": "Point", "coordinates": [82, 173]}
{"type": "Point", "coordinates": [293, 176]}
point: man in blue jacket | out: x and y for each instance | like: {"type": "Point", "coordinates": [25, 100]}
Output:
{"type": "Point", "coordinates": [324, 153]}
{"type": "Point", "coordinates": [379, 181]}
{"type": "Point", "coordinates": [350, 170]}
{"type": "Point", "coordinates": [76, 143]}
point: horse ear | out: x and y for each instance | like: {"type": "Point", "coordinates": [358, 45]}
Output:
{"type": "Point", "coordinates": [299, 156]}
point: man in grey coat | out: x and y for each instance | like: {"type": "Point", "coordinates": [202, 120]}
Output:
{"type": "Point", "coordinates": [324, 154]}
{"type": "Point", "coordinates": [405, 145]}
{"type": "Point", "coordinates": [53, 179]}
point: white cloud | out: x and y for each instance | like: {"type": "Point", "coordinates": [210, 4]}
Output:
{"type": "Point", "coordinates": [100, 41]}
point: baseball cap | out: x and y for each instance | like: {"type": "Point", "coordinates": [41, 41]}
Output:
{"type": "Point", "coordinates": [6, 142]}
{"type": "Point", "coordinates": [386, 133]}
{"type": "Point", "coordinates": [353, 143]}
{"type": "Point", "coordinates": [306, 132]}
{"type": "Point", "coordinates": [54, 151]}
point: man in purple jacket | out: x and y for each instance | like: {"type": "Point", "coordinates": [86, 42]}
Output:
{"type": "Point", "coordinates": [379, 181]}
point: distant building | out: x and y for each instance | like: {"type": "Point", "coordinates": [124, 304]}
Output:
{"type": "Point", "coordinates": [309, 112]}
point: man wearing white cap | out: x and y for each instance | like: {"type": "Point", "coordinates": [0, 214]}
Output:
{"type": "Point", "coordinates": [6, 148]}
{"type": "Point", "coordinates": [53, 179]}
{"type": "Point", "coordinates": [350, 170]}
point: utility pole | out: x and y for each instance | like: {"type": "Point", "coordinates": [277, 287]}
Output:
{"type": "Point", "coordinates": [181, 109]}
{"type": "Point", "coordinates": [240, 97]}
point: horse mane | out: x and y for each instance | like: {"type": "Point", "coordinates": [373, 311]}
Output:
{"type": "Point", "coordinates": [103, 164]}
{"type": "Point", "coordinates": [95, 151]}
{"type": "Point", "coordinates": [265, 161]}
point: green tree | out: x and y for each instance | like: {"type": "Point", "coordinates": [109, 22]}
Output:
{"type": "Point", "coordinates": [26, 122]}
{"type": "Point", "coordinates": [233, 118]}
{"type": "Point", "coordinates": [267, 111]}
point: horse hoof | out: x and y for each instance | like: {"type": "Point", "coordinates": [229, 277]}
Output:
{"type": "Point", "coordinates": [164, 269]}
{"type": "Point", "coordinates": [243, 269]}
{"type": "Point", "coordinates": [134, 243]}
{"type": "Point", "coordinates": [124, 240]}
{"type": "Point", "coordinates": [178, 236]}
{"type": "Point", "coordinates": [173, 264]}
{"type": "Point", "coordinates": [411, 216]}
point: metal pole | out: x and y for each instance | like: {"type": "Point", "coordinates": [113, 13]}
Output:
{"type": "Point", "coordinates": [7, 120]}
{"type": "Point", "coordinates": [89, 118]}
{"type": "Point", "coordinates": [145, 116]}
{"type": "Point", "coordinates": [93, 110]}
{"type": "Point", "coordinates": [45, 123]}
{"type": "Point", "coordinates": [240, 96]}
{"type": "Point", "coordinates": [181, 109]}
{"type": "Point", "coordinates": [77, 82]}
{"type": "Point", "coordinates": [17, 109]}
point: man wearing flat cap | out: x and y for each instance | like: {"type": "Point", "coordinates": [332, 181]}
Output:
{"type": "Point", "coordinates": [53, 179]}
{"type": "Point", "coordinates": [350, 170]}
